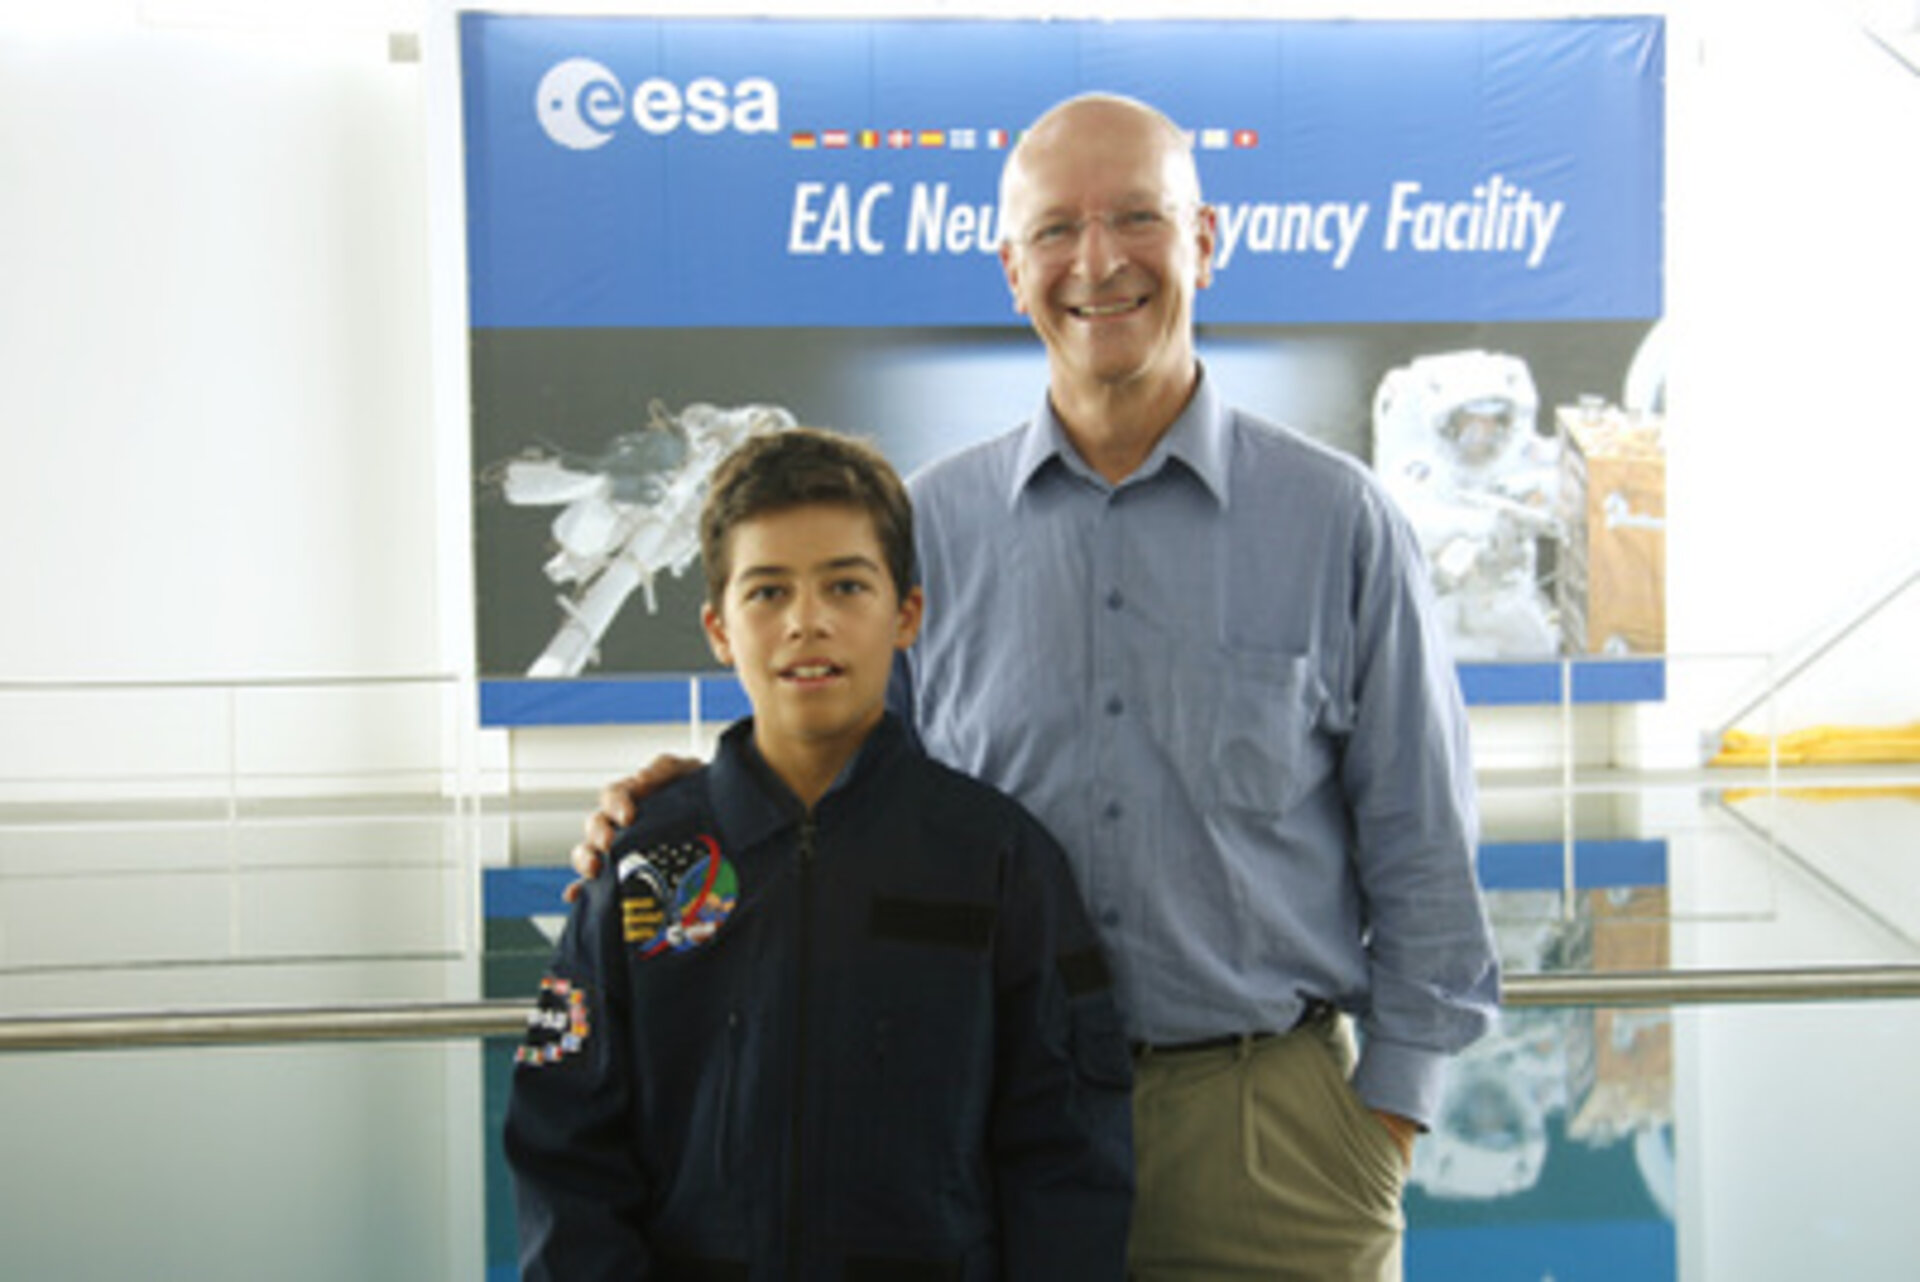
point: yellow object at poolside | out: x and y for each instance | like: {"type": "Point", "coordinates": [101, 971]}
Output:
{"type": "Point", "coordinates": [1822, 745]}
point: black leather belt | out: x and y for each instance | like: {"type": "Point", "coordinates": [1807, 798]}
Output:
{"type": "Point", "coordinates": [1314, 1011]}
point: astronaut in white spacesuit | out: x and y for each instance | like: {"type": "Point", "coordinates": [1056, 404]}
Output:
{"type": "Point", "coordinates": [1455, 441]}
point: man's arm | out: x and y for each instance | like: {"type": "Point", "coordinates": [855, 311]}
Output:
{"type": "Point", "coordinates": [1408, 773]}
{"type": "Point", "coordinates": [619, 805]}
{"type": "Point", "coordinates": [1062, 1130]}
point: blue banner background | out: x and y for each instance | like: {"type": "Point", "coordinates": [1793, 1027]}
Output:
{"type": "Point", "coordinates": [701, 239]}
{"type": "Point", "coordinates": [691, 227]}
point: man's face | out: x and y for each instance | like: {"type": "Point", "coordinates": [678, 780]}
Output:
{"type": "Point", "coordinates": [810, 620]}
{"type": "Point", "coordinates": [1106, 244]}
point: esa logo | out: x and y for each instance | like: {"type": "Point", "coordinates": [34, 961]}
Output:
{"type": "Point", "coordinates": [580, 105]}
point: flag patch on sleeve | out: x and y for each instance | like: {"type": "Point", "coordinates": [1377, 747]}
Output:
{"type": "Point", "coordinates": [557, 1025]}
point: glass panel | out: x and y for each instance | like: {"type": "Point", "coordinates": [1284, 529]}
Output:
{"type": "Point", "coordinates": [1720, 1142]}
{"type": "Point", "coordinates": [294, 1163]}
{"type": "Point", "coordinates": [1764, 1143]}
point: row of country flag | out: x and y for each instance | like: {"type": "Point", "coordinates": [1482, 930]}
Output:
{"type": "Point", "coordinates": [976, 139]}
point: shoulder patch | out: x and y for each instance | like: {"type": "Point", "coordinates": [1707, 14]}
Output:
{"type": "Point", "coordinates": [675, 895]}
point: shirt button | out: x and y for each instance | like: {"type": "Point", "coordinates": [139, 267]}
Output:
{"type": "Point", "coordinates": [1111, 917]}
{"type": "Point", "coordinates": [1114, 810]}
{"type": "Point", "coordinates": [1115, 600]}
{"type": "Point", "coordinates": [1115, 706]}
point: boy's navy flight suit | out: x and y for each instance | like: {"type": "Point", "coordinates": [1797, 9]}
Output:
{"type": "Point", "coordinates": [876, 1043]}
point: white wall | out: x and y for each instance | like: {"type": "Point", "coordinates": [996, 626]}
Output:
{"type": "Point", "coordinates": [214, 391]}
{"type": "Point", "coordinates": [213, 357]}
{"type": "Point", "coordinates": [1794, 272]}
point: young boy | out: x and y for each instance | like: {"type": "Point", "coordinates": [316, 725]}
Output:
{"type": "Point", "coordinates": [832, 1011]}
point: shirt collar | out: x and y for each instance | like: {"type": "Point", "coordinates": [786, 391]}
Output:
{"type": "Point", "coordinates": [1198, 440]}
{"type": "Point", "coordinates": [750, 801]}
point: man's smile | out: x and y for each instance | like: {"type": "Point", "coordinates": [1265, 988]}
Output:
{"type": "Point", "coordinates": [1103, 311]}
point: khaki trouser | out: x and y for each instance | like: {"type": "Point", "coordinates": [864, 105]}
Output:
{"type": "Point", "coordinates": [1257, 1161]}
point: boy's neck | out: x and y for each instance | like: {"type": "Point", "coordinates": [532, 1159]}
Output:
{"type": "Point", "coordinates": [809, 767]}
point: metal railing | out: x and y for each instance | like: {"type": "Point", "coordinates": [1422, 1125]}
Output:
{"type": "Point", "coordinates": [426, 1021]}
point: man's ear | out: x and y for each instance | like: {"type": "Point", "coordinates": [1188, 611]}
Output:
{"type": "Point", "coordinates": [1010, 267]}
{"type": "Point", "coordinates": [716, 629]}
{"type": "Point", "coordinates": [1206, 230]}
{"type": "Point", "coordinates": [913, 608]}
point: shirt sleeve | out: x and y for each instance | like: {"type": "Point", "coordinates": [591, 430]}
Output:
{"type": "Point", "coordinates": [578, 1188]}
{"type": "Point", "coordinates": [1062, 1130]}
{"type": "Point", "coordinates": [1408, 774]}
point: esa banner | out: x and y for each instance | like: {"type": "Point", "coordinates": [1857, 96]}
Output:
{"type": "Point", "coordinates": [1440, 249]}
{"type": "Point", "coordinates": [672, 172]}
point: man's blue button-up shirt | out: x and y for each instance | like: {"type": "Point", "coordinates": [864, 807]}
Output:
{"type": "Point", "coordinates": [1220, 684]}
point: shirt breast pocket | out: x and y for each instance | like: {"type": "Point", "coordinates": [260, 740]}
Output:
{"type": "Point", "coordinates": [1264, 749]}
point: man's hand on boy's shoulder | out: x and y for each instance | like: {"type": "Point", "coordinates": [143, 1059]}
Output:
{"type": "Point", "coordinates": [619, 803]}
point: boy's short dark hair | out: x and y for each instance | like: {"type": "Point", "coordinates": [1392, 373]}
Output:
{"type": "Point", "coordinates": [799, 467]}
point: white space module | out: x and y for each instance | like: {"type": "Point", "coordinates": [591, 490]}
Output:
{"type": "Point", "coordinates": [1454, 441]}
{"type": "Point", "coordinates": [627, 515]}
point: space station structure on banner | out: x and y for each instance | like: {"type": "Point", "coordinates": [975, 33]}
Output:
{"type": "Point", "coordinates": [627, 515]}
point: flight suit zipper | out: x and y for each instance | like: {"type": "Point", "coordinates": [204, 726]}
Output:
{"type": "Point", "coordinates": [723, 1140]}
{"type": "Point", "coordinates": [796, 1176]}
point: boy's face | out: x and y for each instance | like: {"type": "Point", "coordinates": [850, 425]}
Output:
{"type": "Point", "coordinates": [810, 621]}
